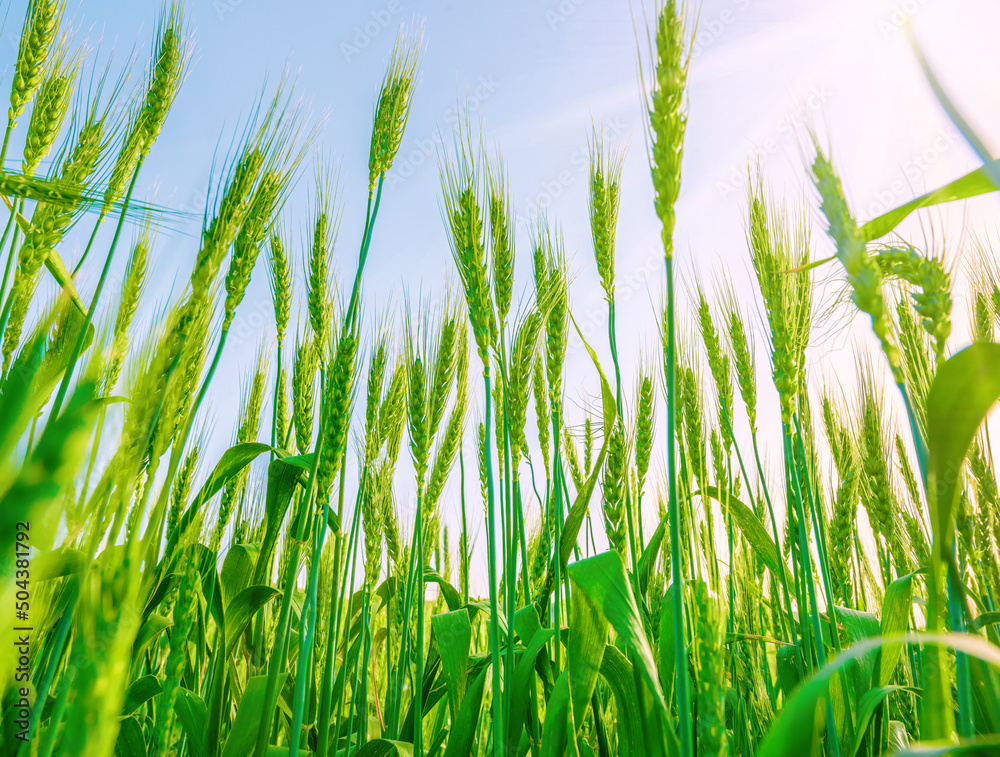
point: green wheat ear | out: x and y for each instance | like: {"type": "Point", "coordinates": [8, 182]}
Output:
{"type": "Point", "coordinates": [38, 35]}
{"type": "Point", "coordinates": [250, 239]}
{"type": "Point", "coordinates": [710, 659]}
{"type": "Point", "coordinates": [323, 229]}
{"type": "Point", "coordinates": [338, 397]}
{"type": "Point", "coordinates": [720, 366]}
{"type": "Point", "coordinates": [132, 289]}
{"type": "Point", "coordinates": [173, 52]}
{"type": "Point", "coordinates": [614, 491]}
{"type": "Point", "coordinates": [605, 176]}
{"type": "Point", "coordinates": [863, 275]}
{"type": "Point", "coordinates": [304, 392]}
{"type": "Point", "coordinates": [247, 431]}
{"type": "Point", "coordinates": [280, 278]}
{"type": "Point", "coordinates": [645, 412]}
{"type": "Point", "coordinates": [779, 250]}
{"type": "Point", "coordinates": [552, 292]}
{"type": "Point", "coordinates": [542, 411]}
{"type": "Point", "coordinates": [393, 107]}
{"type": "Point", "coordinates": [670, 52]}
{"type": "Point", "coordinates": [461, 184]}
{"type": "Point", "coordinates": [525, 349]}
{"type": "Point", "coordinates": [502, 225]}
{"type": "Point", "coordinates": [50, 110]}
{"type": "Point", "coordinates": [50, 223]}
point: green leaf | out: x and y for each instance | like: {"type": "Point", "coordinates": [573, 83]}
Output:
{"type": "Point", "coordinates": [867, 706]}
{"type": "Point", "coordinates": [754, 532]}
{"type": "Point", "coordinates": [241, 610]}
{"type": "Point", "coordinates": [786, 664]}
{"type": "Point", "coordinates": [588, 635]}
{"type": "Point", "coordinates": [966, 387]}
{"type": "Point", "coordinates": [896, 608]}
{"type": "Point", "coordinates": [17, 400]}
{"type": "Point", "coordinates": [130, 742]}
{"type": "Point", "coordinates": [610, 406]}
{"type": "Point", "coordinates": [982, 746]}
{"type": "Point", "coordinates": [732, 638]}
{"type": "Point", "coordinates": [801, 720]}
{"type": "Point", "coordinates": [453, 631]}
{"type": "Point", "coordinates": [603, 579]}
{"type": "Point", "coordinates": [859, 626]}
{"type": "Point", "coordinates": [237, 569]}
{"type": "Point", "coordinates": [53, 262]}
{"type": "Point", "coordinates": [384, 748]}
{"type": "Point", "coordinates": [556, 719]}
{"type": "Point", "coordinates": [991, 167]}
{"type": "Point", "coordinates": [243, 735]}
{"type": "Point", "coordinates": [618, 673]}
{"type": "Point", "coordinates": [139, 692]}
{"type": "Point", "coordinates": [521, 686]}
{"type": "Point", "coordinates": [50, 468]}
{"type": "Point", "coordinates": [667, 650]}
{"type": "Point", "coordinates": [465, 726]}
{"type": "Point", "coordinates": [233, 460]}
{"type": "Point", "coordinates": [985, 619]}
{"type": "Point", "coordinates": [283, 475]}
{"type": "Point", "coordinates": [57, 563]}
{"type": "Point", "coordinates": [193, 717]}
{"type": "Point", "coordinates": [973, 184]}
{"type": "Point", "coordinates": [148, 631]}
{"type": "Point", "coordinates": [452, 597]}
{"type": "Point", "coordinates": [648, 557]}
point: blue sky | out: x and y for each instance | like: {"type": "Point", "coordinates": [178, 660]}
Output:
{"type": "Point", "coordinates": [537, 75]}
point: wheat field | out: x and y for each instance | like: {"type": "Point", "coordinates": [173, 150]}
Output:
{"type": "Point", "coordinates": [652, 583]}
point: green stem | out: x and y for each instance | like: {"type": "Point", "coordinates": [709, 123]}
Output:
{"type": "Point", "coordinates": [332, 640]}
{"type": "Point", "coordinates": [90, 242]}
{"type": "Point", "coordinates": [366, 241]}
{"type": "Point", "coordinates": [496, 696]}
{"type": "Point", "coordinates": [81, 337]}
{"type": "Point", "coordinates": [464, 567]}
{"type": "Point", "coordinates": [5, 314]}
{"type": "Point", "coordinates": [557, 523]}
{"type": "Point", "coordinates": [6, 142]}
{"type": "Point", "coordinates": [366, 622]}
{"type": "Point", "coordinates": [395, 704]}
{"type": "Point", "coordinates": [10, 257]}
{"type": "Point", "coordinates": [344, 603]}
{"type": "Point", "coordinates": [306, 634]}
{"type": "Point", "coordinates": [274, 409]}
{"type": "Point", "coordinates": [418, 675]}
{"type": "Point", "coordinates": [284, 614]}
{"type": "Point", "coordinates": [677, 578]}
{"type": "Point", "coordinates": [806, 564]}
{"type": "Point", "coordinates": [782, 578]}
